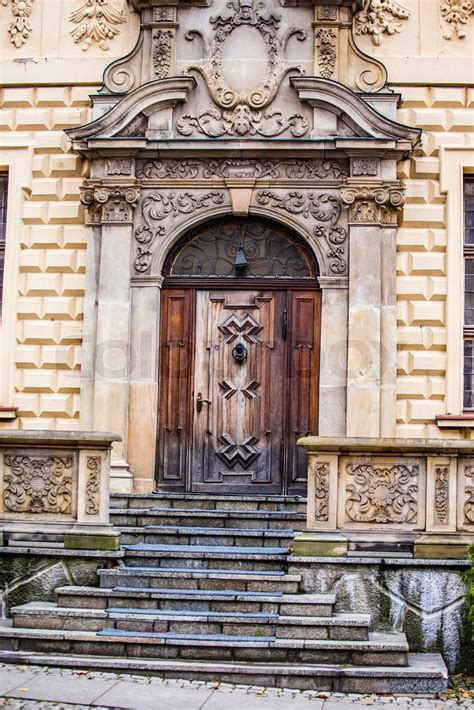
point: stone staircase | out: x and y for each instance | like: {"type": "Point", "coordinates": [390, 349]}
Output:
{"type": "Point", "coordinates": [203, 592]}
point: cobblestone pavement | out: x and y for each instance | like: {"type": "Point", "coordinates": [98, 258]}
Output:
{"type": "Point", "coordinates": [49, 688]}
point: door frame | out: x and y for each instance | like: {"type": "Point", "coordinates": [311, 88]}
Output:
{"type": "Point", "coordinates": [189, 287]}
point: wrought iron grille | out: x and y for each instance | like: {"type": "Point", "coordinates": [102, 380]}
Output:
{"type": "Point", "coordinates": [248, 248]}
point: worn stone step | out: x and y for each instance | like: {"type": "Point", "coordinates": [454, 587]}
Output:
{"type": "Point", "coordinates": [424, 673]}
{"type": "Point", "coordinates": [380, 649]}
{"type": "Point", "coordinates": [189, 535]}
{"type": "Point", "coordinates": [206, 502]}
{"type": "Point", "coordinates": [137, 517]}
{"type": "Point", "coordinates": [320, 605]}
{"type": "Point", "coordinates": [206, 556]}
{"type": "Point", "coordinates": [254, 624]}
{"type": "Point", "coordinates": [199, 578]}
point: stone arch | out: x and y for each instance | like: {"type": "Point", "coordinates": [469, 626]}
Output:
{"type": "Point", "coordinates": [293, 225]}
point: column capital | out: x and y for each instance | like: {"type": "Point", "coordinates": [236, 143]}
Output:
{"type": "Point", "coordinates": [109, 204]}
{"type": "Point", "coordinates": [373, 203]}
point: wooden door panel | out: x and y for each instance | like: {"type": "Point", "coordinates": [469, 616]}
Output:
{"type": "Point", "coordinates": [237, 437]}
{"type": "Point", "coordinates": [303, 378]}
{"type": "Point", "coordinates": [176, 371]}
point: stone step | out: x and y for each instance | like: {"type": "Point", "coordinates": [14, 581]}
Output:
{"type": "Point", "coordinates": [320, 605]}
{"type": "Point", "coordinates": [295, 504]}
{"type": "Point", "coordinates": [174, 535]}
{"type": "Point", "coordinates": [206, 556]}
{"type": "Point", "coordinates": [137, 517]}
{"type": "Point", "coordinates": [380, 649]}
{"type": "Point", "coordinates": [200, 578]}
{"type": "Point", "coordinates": [233, 623]}
{"type": "Point", "coordinates": [423, 674]}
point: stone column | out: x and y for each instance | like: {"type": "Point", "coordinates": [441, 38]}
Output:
{"type": "Point", "coordinates": [112, 208]}
{"type": "Point", "coordinates": [333, 371]}
{"type": "Point", "coordinates": [371, 368]}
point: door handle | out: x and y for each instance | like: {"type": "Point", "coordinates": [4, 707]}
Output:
{"type": "Point", "coordinates": [200, 401]}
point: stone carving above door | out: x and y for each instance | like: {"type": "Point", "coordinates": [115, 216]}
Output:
{"type": "Point", "coordinates": [240, 112]}
{"type": "Point", "coordinates": [325, 210]}
{"type": "Point", "coordinates": [380, 17]}
{"type": "Point", "coordinates": [455, 15]}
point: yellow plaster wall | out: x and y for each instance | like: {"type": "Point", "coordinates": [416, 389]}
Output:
{"type": "Point", "coordinates": [446, 116]}
{"type": "Point", "coordinates": [51, 246]}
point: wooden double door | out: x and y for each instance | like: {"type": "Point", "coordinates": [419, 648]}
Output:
{"type": "Point", "coordinates": [239, 386]}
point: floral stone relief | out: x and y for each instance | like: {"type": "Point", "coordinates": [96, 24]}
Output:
{"type": "Point", "coordinates": [20, 27]}
{"type": "Point", "coordinates": [380, 17]}
{"type": "Point", "coordinates": [37, 484]}
{"type": "Point", "coordinates": [456, 14]}
{"type": "Point", "coordinates": [97, 22]}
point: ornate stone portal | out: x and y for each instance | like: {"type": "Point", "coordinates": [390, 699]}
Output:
{"type": "Point", "coordinates": [312, 155]}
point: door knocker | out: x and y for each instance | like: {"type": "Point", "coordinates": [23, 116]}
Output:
{"type": "Point", "coordinates": [239, 353]}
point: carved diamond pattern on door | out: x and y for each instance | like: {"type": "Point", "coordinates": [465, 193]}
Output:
{"type": "Point", "coordinates": [238, 436]}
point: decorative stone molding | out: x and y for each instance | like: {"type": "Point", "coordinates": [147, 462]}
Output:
{"type": "Point", "coordinates": [55, 487]}
{"type": "Point", "coordinates": [157, 206]}
{"type": "Point", "coordinates": [97, 20]}
{"type": "Point", "coordinates": [455, 15]}
{"type": "Point", "coordinates": [321, 207]}
{"type": "Point", "coordinates": [20, 27]}
{"type": "Point", "coordinates": [416, 495]}
{"type": "Point", "coordinates": [229, 168]}
{"type": "Point", "coordinates": [241, 112]}
{"type": "Point", "coordinates": [163, 40]}
{"type": "Point", "coordinates": [365, 166]}
{"type": "Point", "coordinates": [381, 494]}
{"type": "Point", "coordinates": [378, 17]}
{"type": "Point", "coordinates": [321, 492]}
{"type": "Point", "coordinates": [37, 484]}
{"type": "Point", "coordinates": [468, 508]}
{"type": "Point", "coordinates": [118, 166]}
{"type": "Point", "coordinates": [441, 492]}
{"type": "Point", "coordinates": [109, 204]}
{"type": "Point", "coordinates": [326, 39]}
{"type": "Point", "coordinates": [373, 203]}
{"type": "Point", "coordinates": [94, 464]}
{"type": "Point", "coordinates": [242, 121]}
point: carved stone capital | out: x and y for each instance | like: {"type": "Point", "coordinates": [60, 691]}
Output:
{"type": "Point", "coordinates": [377, 204]}
{"type": "Point", "coordinates": [109, 204]}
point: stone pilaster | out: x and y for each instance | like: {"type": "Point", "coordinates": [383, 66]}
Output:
{"type": "Point", "coordinates": [371, 386]}
{"type": "Point", "coordinates": [111, 208]}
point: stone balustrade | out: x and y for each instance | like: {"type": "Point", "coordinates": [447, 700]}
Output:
{"type": "Point", "coordinates": [390, 497]}
{"type": "Point", "coordinates": [55, 489]}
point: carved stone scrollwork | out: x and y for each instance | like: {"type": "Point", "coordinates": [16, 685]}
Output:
{"type": "Point", "coordinates": [118, 166]}
{"type": "Point", "coordinates": [378, 17]}
{"type": "Point", "coordinates": [163, 46]}
{"type": "Point", "coordinates": [469, 496]}
{"type": "Point", "coordinates": [158, 206]}
{"type": "Point", "coordinates": [94, 464]}
{"type": "Point", "coordinates": [97, 20]}
{"type": "Point", "coordinates": [441, 492]}
{"type": "Point", "coordinates": [323, 208]}
{"type": "Point", "coordinates": [326, 45]}
{"type": "Point", "coordinates": [456, 14]}
{"type": "Point", "coordinates": [19, 28]}
{"type": "Point", "coordinates": [40, 484]}
{"type": "Point", "coordinates": [241, 112]}
{"type": "Point", "coordinates": [109, 204]}
{"type": "Point", "coordinates": [373, 204]}
{"type": "Point", "coordinates": [240, 168]}
{"type": "Point", "coordinates": [382, 494]}
{"type": "Point", "coordinates": [321, 492]}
